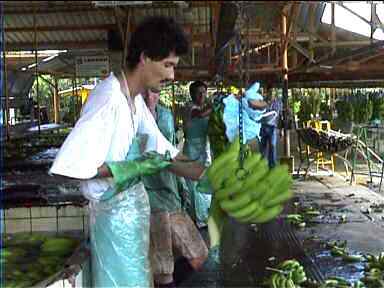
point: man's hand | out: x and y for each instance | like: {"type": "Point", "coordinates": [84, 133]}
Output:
{"type": "Point", "coordinates": [257, 104]}
{"type": "Point", "coordinates": [182, 166]}
{"type": "Point", "coordinates": [126, 173]}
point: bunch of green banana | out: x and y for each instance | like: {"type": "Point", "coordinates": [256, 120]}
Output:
{"type": "Point", "coordinates": [296, 219]}
{"type": "Point", "coordinates": [374, 271]}
{"type": "Point", "coordinates": [216, 130]}
{"type": "Point", "coordinates": [375, 261]}
{"type": "Point", "coordinates": [335, 282]}
{"type": "Point", "coordinates": [339, 249]}
{"type": "Point", "coordinates": [279, 280]}
{"type": "Point", "coordinates": [58, 246]}
{"type": "Point", "coordinates": [253, 195]}
{"type": "Point", "coordinates": [373, 278]}
{"type": "Point", "coordinates": [289, 274]}
{"type": "Point", "coordinates": [217, 217]}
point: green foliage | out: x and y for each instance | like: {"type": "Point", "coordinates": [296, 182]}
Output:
{"type": "Point", "coordinates": [296, 105]}
{"type": "Point", "coordinates": [305, 110]}
{"type": "Point", "coordinates": [309, 105]}
{"type": "Point", "coordinates": [344, 110]}
{"type": "Point", "coordinates": [325, 111]}
{"type": "Point", "coordinates": [44, 92]}
{"type": "Point", "coordinates": [362, 108]}
{"type": "Point", "coordinates": [315, 101]}
{"type": "Point", "coordinates": [180, 92]}
{"type": "Point", "coordinates": [377, 108]}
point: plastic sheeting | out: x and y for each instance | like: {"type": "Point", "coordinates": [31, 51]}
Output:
{"type": "Point", "coordinates": [119, 229]}
{"type": "Point", "coordinates": [251, 117]}
{"type": "Point", "coordinates": [120, 240]}
{"type": "Point", "coordinates": [198, 150]}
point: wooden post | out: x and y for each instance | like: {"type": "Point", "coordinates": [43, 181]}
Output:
{"type": "Point", "coordinates": [126, 38]}
{"type": "Point", "coordinates": [372, 22]}
{"type": "Point", "coordinates": [312, 31]}
{"type": "Point", "coordinates": [294, 58]}
{"type": "Point", "coordinates": [284, 54]}
{"type": "Point", "coordinates": [56, 101]}
{"type": "Point", "coordinates": [333, 29]}
{"type": "Point", "coordinates": [332, 101]}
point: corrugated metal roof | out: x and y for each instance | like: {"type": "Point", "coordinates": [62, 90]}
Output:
{"type": "Point", "coordinates": [82, 22]}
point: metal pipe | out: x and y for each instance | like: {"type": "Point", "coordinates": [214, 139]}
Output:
{"type": "Point", "coordinates": [8, 136]}
{"type": "Point", "coordinates": [56, 102]}
{"type": "Point", "coordinates": [36, 71]}
{"type": "Point", "coordinates": [73, 102]}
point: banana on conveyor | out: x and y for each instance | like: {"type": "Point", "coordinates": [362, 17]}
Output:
{"type": "Point", "coordinates": [290, 274]}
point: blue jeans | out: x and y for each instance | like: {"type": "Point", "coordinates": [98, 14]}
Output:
{"type": "Point", "coordinates": [269, 144]}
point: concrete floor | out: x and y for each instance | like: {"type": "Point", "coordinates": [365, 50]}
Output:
{"type": "Point", "coordinates": [245, 253]}
{"type": "Point", "coordinates": [245, 250]}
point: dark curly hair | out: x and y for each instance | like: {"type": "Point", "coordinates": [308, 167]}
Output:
{"type": "Point", "coordinates": [157, 37]}
{"type": "Point", "coordinates": [193, 88]}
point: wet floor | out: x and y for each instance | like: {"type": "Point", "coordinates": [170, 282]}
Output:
{"type": "Point", "coordinates": [247, 250]}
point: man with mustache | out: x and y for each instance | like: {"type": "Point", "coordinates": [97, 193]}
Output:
{"type": "Point", "coordinates": [103, 151]}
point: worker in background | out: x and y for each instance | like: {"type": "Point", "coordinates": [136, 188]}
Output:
{"type": "Point", "coordinates": [103, 150]}
{"type": "Point", "coordinates": [196, 147]}
{"type": "Point", "coordinates": [171, 227]}
{"type": "Point", "coordinates": [269, 130]}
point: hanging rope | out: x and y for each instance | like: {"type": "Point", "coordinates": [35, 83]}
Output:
{"type": "Point", "coordinates": [242, 21]}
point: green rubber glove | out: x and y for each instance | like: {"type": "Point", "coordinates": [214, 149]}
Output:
{"type": "Point", "coordinates": [204, 186]}
{"type": "Point", "coordinates": [127, 173]}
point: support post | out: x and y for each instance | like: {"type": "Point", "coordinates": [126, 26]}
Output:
{"type": "Point", "coordinates": [333, 29]}
{"type": "Point", "coordinates": [56, 102]}
{"type": "Point", "coordinates": [7, 134]}
{"type": "Point", "coordinates": [287, 152]}
{"type": "Point", "coordinates": [36, 73]}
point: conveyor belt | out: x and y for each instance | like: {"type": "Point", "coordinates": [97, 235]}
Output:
{"type": "Point", "coordinates": [276, 239]}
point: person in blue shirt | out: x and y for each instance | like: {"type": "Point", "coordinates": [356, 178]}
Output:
{"type": "Point", "coordinates": [197, 147]}
{"type": "Point", "coordinates": [269, 131]}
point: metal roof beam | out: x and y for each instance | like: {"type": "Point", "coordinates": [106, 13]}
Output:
{"type": "Point", "coordinates": [58, 45]}
{"type": "Point", "coordinates": [60, 28]}
{"type": "Point", "coordinates": [77, 10]}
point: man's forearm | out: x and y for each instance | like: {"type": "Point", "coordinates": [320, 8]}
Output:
{"type": "Point", "coordinates": [183, 167]}
{"type": "Point", "coordinates": [258, 104]}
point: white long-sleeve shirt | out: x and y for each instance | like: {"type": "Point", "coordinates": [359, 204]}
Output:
{"type": "Point", "coordinates": [104, 133]}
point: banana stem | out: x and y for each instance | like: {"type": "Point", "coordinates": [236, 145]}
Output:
{"type": "Point", "coordinates": [276, 270]}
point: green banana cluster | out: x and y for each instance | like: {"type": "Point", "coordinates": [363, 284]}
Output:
{"type": "Point", "coordinates": [255, 194]}
{"type": "Point", "coordinates": [375, 261]}
{"type": "Point", "coordinates": [336, 282]}
{"type": "Point", "coordinates": [216, 130]}
{"type": "Point", "coordinates": [30, 258]}
{"type": "Point", "coordinates": [339, 249]}
{"type": "Point", "coordinates": [290, 274]}
{"type": "Point", "coordinates": [374, 271]}
{"type": "Point", "coordinates": [296, 219]}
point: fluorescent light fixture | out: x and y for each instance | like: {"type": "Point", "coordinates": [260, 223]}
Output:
{"type": "Point", "coordinates": [31, 65]}
{"type": "Point", "coordinates": [326, 67]}
{"type": "Point", "coordinates": [49, 58]}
